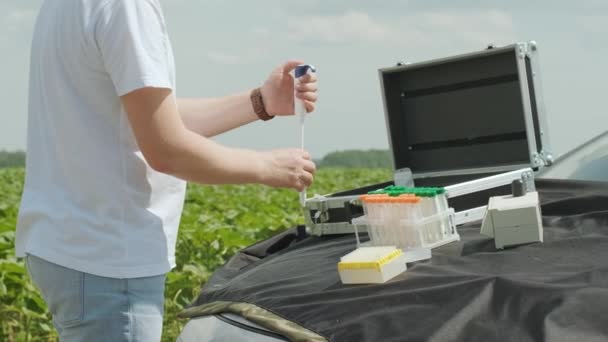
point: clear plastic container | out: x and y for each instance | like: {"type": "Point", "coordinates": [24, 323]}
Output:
{"type": "Point", "coordinates": [412, 223]}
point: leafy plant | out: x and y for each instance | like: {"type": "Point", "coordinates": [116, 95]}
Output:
{"type": "Point", "coordinates": [358, 158]}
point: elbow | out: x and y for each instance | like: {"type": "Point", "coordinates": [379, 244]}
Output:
{"type": "Point", "coordinates": [164, 154]}
{"type": "Point", "coordinates": [160, 161]}
{"type": "Point", "coordinates": [161, 166]}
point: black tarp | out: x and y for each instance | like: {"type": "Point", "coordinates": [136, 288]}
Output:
{"type": "Point", "coordinates": [468, 291]}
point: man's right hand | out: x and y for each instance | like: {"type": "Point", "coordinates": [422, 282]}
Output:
{"type": "Point", "coordinates": [288, 168]}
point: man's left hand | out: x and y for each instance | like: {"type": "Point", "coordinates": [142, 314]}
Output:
{"type": "Point", "coordinates": [278, 90]}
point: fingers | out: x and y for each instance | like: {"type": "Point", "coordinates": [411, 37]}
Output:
{"type": "Point", "coordinates": [306, 90]}
{"type": "Point", "coordinates": [290, 168]}
{"type": "Point", "coordinates": [291, 64]}
{"type": "Point", "coordinates": [304, 182]}
{"type": "Point", "coordinates": [308, 78]}
{"type": "Point", "coordinates": [310, 97]}
{"type": "Point", "coordinates": [309, 167]}
{"type": "Point", "coordinates": [310, 106]}
{"type": "Point", "coordinates": [304, 87]}
{"type": "Point", "coordinates": [306, 163]}
{"type": "Point", "coordinates": [305, 176]}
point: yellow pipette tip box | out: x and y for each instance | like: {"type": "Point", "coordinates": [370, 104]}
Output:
{"type": "Point", "coordinates": [371, 265]}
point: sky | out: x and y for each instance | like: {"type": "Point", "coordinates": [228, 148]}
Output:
{"type": "Point", "coordinates": [223, 47]}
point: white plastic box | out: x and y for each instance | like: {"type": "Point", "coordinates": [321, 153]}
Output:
{"type": "Point", "coordinates": [371, 265]}
{"type": "Point", "coordinates": [513, 220]}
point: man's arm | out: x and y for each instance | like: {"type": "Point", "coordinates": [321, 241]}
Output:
{"type": "Point", "coordinates": [171, 148]}
{"type": "Point", "coordinates": [210, 117]}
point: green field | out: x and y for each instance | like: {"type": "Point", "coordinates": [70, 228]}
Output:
{"type": "Point", "coordinates": [217, 221]}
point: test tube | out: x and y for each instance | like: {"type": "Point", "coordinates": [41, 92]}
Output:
{"type": "Point", "coordinates": [398, 211]}
{"type": "Point", "coordinates": [375, 221]}
{"type": "Point", "coordinates": [363, 199]}
{"type": "Point", "coordinates": [385, 219]}
{"type": "Point", "coordinates": [443, 207]}
{"type": "Point", "coordinates": [426, 211]}
{"type": "Point", "coordinates": [412, 228]}
{"type": "Point", "coordinates": [404, 205]}
{"type": "Point", "coordinates": [393, 205]}
{"type": "Point", "coordinates": [369, 214]}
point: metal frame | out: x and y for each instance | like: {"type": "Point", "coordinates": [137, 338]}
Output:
{"type": "Point", "coordinates": [319, 225]}
{"type": "Point", "coordinates": [323, 204]}
{"type": "Point", "coordinates": [479, 170]}
{"type": "Point", "coordinates": [527, 175]}
{"type": "Point", "coordinates": [475, 214]}
{"type": "Point", "coordinates": [488, 52]}
{"type": "Point", "coordinates": [334, 228]}
{"type": "Point", "coordinates": [532, 52]}
{"type": "Point", "coordinates": [520, 55]}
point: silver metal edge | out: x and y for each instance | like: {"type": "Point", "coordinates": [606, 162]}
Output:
{"type": "Point", "coordinates": [540, 103]}
{"type": "Point", "coordinates": [485, 183]}
{"type": "Point", "coordinates": [448, 59]}
{"type": "Point", "coordinates": [520, 54]}
{"type": "Point", "coordinates": [334, 228]}
{"type": "Point", "coordinates": [491, 169]}
{"type": "Point", "coordinates": [324, 203]}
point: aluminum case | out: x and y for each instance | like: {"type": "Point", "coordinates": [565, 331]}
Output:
{"type": "Point", "coordinates": [453, 120]}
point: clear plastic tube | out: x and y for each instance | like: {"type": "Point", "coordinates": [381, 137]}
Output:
{"type": "Point", "coordinates": [373, 221]}
{"type": "Point", "coordinates": [393, 205]}
{"type": "Point", "coordinates": [404, 209]}
{"type": "Point", "coordinates": [384, 223]}
{"type": "Point", "coordinates": [300, 110]}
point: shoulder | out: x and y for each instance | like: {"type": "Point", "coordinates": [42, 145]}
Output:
{"type": "Point", "coordinates": [135, 14]}
{"type": "Point", "coordinates": [129, 7]}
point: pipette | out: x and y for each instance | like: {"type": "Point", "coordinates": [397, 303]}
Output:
{"type": "Point", "coordinates": [300, 110]}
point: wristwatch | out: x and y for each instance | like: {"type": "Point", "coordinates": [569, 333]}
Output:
{"type": "Point", "coordinates": [258, 105]}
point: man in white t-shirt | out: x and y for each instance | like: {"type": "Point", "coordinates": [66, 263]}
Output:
{"type": "Point", "coordinates": [109, 150]}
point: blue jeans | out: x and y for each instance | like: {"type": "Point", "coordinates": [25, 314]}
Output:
{"type": "Point", "coordinates": [91, 308]}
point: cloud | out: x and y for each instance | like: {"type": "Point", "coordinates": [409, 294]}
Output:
{"type": "Point", "coordinates": [16, 25]}
{"type": "Point", "coordinates": [224, 58]}
{"type": "Point", "coordinates": [397, 7]}
{"type": "Point", "coordinates": [261, 31]}
{"type": "Point", "coordinates": [596, 23]}
{"type": "Point", "coordinates": [348, 27]}
{"type": "Point", "coordinates": [479, 27]}
{"type": "Point", "coordinates": [245, 57]}
{"type": "Point", "coordinates": [418, 29]}
{"type": "Point", "coordinates": [594, 29]}
{"type": "Point", "coordinates": [17, 18]}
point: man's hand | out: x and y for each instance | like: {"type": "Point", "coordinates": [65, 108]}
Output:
{"type": "Point", "coordinates": [288, 168]}
{"type": "Point", "coordinates": [278, 91]}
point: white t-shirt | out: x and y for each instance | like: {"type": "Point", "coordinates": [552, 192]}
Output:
{"type": "Point", "coordinates": [91, 202]}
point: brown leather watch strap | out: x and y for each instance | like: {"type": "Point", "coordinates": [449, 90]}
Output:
{"type": "Point", "coordinates": [258, 105]}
